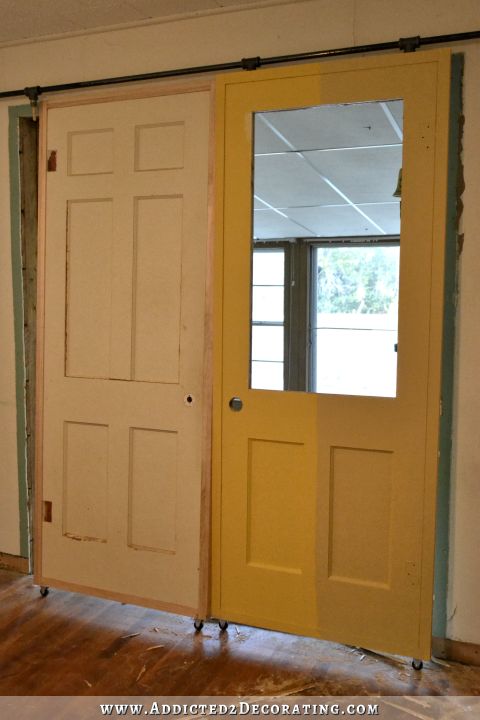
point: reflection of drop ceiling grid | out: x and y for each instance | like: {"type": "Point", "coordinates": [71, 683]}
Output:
{"type": "Point", "coordinates": [328, 171]}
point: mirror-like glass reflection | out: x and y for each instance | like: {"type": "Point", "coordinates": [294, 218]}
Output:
{"type": "Point", "coordinates": [326, 248]}
{"type": "Point", "coordinates": [268, 288]}
{"type": "Point", "coordinates": [355, 318]}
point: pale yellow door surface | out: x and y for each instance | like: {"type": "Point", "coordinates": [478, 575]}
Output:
{"type": "Point", "coordinates": [123, 377]}
{"type": "Point", "coordinates": [324, 504]}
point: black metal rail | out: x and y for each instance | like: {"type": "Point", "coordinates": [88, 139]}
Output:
{"type": "Point", "coordinates": [409, 44]}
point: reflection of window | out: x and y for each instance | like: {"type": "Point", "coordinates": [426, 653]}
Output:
{"type": "Point", "coordinates": [324, 316]}
{"type": "Point", "coordinates": [354, 319]}
{"type": "Point", "coordinates": [268, 289]}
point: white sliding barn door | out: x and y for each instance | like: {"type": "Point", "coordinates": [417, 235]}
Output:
{"type": "Point", "coordinates": [125, 213]}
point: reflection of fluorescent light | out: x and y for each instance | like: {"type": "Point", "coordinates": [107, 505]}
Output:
{"type": "Point", "coordinates": [333, 149]}
{"type": "Point", "coordinates": [270, 207]}
{"type": "Point", "coordinates": [391, 119]}
{"type": "Point", "coordinates": [303, 155]}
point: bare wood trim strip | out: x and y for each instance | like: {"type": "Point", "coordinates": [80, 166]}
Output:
{"type": "Point", "coordinates": [119, 597]}
{"type": "Point", "coordinates": [14, 562]}
{"type": "Point", "coordinates": [28, 138]}
{"type": "Point", "coordinates": [88, 97]}
{"type": "Point", "coordinates": [42, 164]}
{"type": "Point", "coordinates": [217, 353]}
{"type": "Point", "coordinates": [206, 489]}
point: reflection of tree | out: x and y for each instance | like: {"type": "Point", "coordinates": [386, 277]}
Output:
{"type": "Point", "coordinates": [356, 280]}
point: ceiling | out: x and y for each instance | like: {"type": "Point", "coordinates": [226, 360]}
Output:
{"type": "Point", "coordinates": [26, 20]}
{"type": "Point", "coordinates": [328, 171]}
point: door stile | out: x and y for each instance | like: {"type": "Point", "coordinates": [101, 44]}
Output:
{"type": "Point", "coordinates": [39, 360]}
{"type": "Point", "coordinates": [204, 601]}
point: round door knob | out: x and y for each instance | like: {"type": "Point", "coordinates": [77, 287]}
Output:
{"type": "Point", "coordinates": [235, 404]}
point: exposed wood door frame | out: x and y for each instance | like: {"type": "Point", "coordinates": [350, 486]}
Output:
{"type": "Point", "coordinates": [28, 147]}
{"type": "Point", "coordinates": [23, 151]}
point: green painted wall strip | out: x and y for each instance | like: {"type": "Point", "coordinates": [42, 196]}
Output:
{"type": "Point", "coordinates": [17, 281]}
{"type": "Point", "coordinates": [443, 496]}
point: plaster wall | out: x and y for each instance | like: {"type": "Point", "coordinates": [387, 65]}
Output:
{"type": "Point", "coordinates": [276, 30]}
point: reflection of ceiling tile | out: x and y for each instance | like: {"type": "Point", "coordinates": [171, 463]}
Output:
{"type": "Point", "coordinates": [387, 215]}
{"type": "Point", "coordinates": [330, 155]}
{"type": "Point", "coordinates": [333, 221]}
{"type": "Point", "coordinates": [330, 221]}
{"type": "Point", "coordinates": [363, 175]}
{"type": "Point", "coordinates": [270, 225]}
{"type": "Point", "coordinates": [286, 180]}
{"type": "Point", "coordinates": [396, 108]}
{"type": "Point", "coordinates": [334, 126]}
{"type": "Point", "coordinates": [265, 140]}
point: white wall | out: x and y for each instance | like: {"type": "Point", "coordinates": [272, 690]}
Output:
{"type": "Point", "coordinates": [303, 26]}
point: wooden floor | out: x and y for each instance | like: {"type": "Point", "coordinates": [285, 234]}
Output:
{"type": "Point", "coordinates": [69, 644]}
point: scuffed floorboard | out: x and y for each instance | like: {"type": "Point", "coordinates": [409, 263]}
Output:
{"type": "Point", "coordinates": [70, 644]}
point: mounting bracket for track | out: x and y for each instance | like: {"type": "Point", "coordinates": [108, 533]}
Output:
{"type": "Point", "coordinates": [409, 44]}
{"type": "Point", "coordinates": [33, 94]}
{"type": "Point", "coordinates": [251, 63]}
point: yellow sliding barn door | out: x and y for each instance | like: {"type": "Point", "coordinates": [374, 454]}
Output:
{"type": "Point", "coordinates": [123, 406]}
{"type": "Point", "coordinates": [324, 496]}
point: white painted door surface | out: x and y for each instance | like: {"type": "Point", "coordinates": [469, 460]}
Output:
{"type": "Point", "coordinates": [124, 300]}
